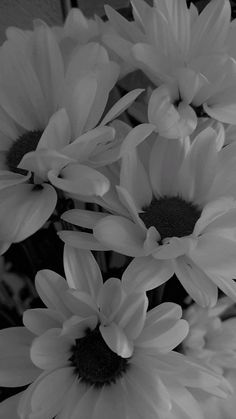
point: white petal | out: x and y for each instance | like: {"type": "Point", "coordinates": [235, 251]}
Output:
{"type": "Point", "coordinates": [8, 178]}
{"type": "Point", "coordinates": [134, 179]}
{"type": "Point", "coordinates": [83, 218]}
{"type": "Point", "coordinates": [81, 304]}
{"type": "Point", "coordinates": [165, 161]}
{"type": "Point", "coordinates": [49, 66]}
{"type": "Point", "coordinates": [51, 288]}
{"type": "Point", "coordinates": [82, 271]}
{"type": "Point", "coordinates": [50, 392]}
{"type": "Point", "coordinates": [215, 254]}
{"type": "Point", "coordinates": [121, 106]}
{"type": "Point", "coordinates": [80, 101]}
{"type": "Point", "coordinates": [75, 327]}
{"type": "Point", "coordinates": [146, 273]}
{"type": "Point", "coordinates": [16, 367]}
{"type": "Point", "coordinates": [121, 235]}
{"type": "Point", "coordinates": [135, 137]}
{"type": "Point", "coordinates": [57, 134]}
{"type": "Point", "coordinates": [196, 282]}
{"type": "Point", "coordinates": [30, 206]}
{"type": "Point", "coordinates": [80, 179]}
{"type": "Point", "coordinates": [8, 408]}
{"type": "Point", "coordinates": [111, 403]}
{"type": "Point", "coordinates": [223, 112]}
{"type": "Point", "coordinates": [132, 314]}
{"type": "Point", "coordinates": [50, 350]}
{"type": "Point", "coordinates": [164, 335]}
{"type": "Point", "coordinates": [21, 94]}
{"type": "Point", "coordinates": [39, 320]}
{"type": "Point", "coordinates": [84, 146]}
{"type": "Point", "coordinates": [81, 240]}
{"type": "Point", "coordinates": [110, 297]}
{"type": "Point", "coordinates": [116, 340]}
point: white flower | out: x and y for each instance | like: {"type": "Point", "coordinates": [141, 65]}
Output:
{"type": "Point", "coordinates": [211, 339]}
{"type": "Point", "coordinates": [178, 216]}
{"type": "Point", "coordinates": [187, 52]}
{"type": "Point", "coordinates": [95, 351]}
{"type": "Point", "coordinates": [45, 107]}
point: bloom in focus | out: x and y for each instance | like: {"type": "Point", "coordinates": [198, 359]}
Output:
{"type": "Point", "coordinates": [44, 105]}
{"type": "Point", "coordinates": [178, 218]}
{"type": "Point", "coordinates": [95, 351]}
{"type": "Point", "coordinates": [189, 57]}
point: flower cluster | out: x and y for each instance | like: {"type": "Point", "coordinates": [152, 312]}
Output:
{"type": "Point", "coordinates": [119, 136]}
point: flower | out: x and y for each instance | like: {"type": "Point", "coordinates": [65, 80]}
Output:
{"type": "Point", "coordinates": [95, 351]}
{"type": "Point", "coordinates": [43, 107]}
{"type": "Point", "coordinates": [186, 55]}
{"type": "Point", "coordinates": [211, 336]}
{"type": "Point", "coordinates": [211, 339]}
{"type": "Point", "coordinates": [178, 216]}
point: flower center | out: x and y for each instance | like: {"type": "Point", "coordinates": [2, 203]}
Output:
{"type": "Point", "coordinates": [95, 363]}
{"type": "Point", "coordinates": [172, 216]}
{"type": "Point", "coordinates": [23, 145]}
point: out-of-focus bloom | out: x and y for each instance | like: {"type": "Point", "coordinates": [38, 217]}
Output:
{"type": "Point", "coordinates": [179, 216]}
{"type": "Point", "coordinates": [95, 351]}
{"type": "Point", "coordinates": [186, 52]}
{"type": "Point", "coordinates": [44, 107]}
{"type": "Point", "coordinates": [212, 340]}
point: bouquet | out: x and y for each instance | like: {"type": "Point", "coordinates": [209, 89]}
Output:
{"type": "Point", "coordinates": [118, 215]}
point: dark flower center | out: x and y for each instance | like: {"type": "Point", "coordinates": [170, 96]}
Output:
{"type": "Point", "coordinates": [95, 363]}
{"type": "Point", "coordinates": [23, 145]}
{"type": "Point", "coordinates": [172, 216]}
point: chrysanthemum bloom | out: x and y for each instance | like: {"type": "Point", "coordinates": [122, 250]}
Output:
{"type": "Point", "coordinates": [180, 216]}
{"type": "Point", "coordinates": [96, 352]}
{"type": "Point", "coordinates": [212, 339]}
{"type": "Point", "coordinates": [185, 52]}
{"type": "Point", "coordinates": [33, 86]}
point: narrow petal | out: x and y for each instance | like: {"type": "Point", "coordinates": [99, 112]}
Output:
{"type": "Point", "coordinates": [116, 340]}
{"type": "Point", "coordinates": [83, 218]}
{"type": "Point", "coordinates": [134, 179]}
{"type": "Point", "coordinates": [82, 271]}
{"type": "Point", "coordinates": [81, 240]}
{"type": "Point", "coordinates": [80, 179]}
{"type": "Point", "coordinates": [48, 64]}
{"type": "Point", "coordinates": [121, 235]}
{"type": "Point", "coordinates": [121, 106]}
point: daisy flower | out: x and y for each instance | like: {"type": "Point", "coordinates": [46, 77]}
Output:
{"type": "Point", "coordinates": [43, 107]}
{"type": "Point", "coordinates": [211, 336]}
{"type": "Point", "coordinates": [180, 216]}
{"type": "Point", "coordinates": [95, 351]}
{"type": "Point", "coordinates": [211, 339]}
{"type": "Point", "coordinates": [186, 55]}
